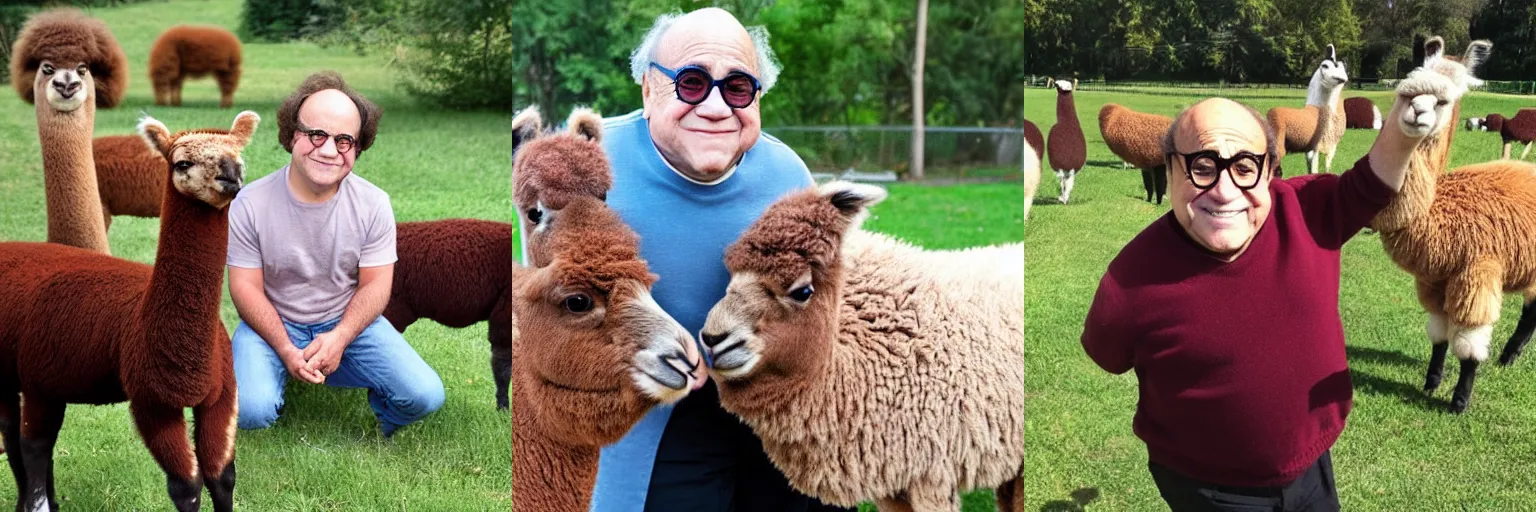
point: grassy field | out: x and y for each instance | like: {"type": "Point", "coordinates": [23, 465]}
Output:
{"type": "Point", "coordinates": [1401, 450]}
{"type": "Point", "coordinates": [324, 453]}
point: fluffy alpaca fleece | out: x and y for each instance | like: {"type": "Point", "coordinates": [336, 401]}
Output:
{"type": "Point", "coordinates": [72, 63]}
{"type": "Point", "coordinates": [129, 177]}
{"type": "Point", "coordinates": [1318, 127]}
{"type": "Point", "coordinates": [898, 375]}
{"type": "Point", "coordinates": [584, 372]}
{"type": "Point", "coordinates": [456, 272]}
{"type": "Point", "coordinates": [1031, 177]}
{"type": "Point", "coordinates": [1361, 113]}
{"type": "Point", "coordinates": [1066, 149]}
{"type": "Point", "coordinates": [1463, 235]}
{"type": "Point", "coordinates": [551, 169]}
{"type": "Point", "coordinates": [193, 51]}
{"type": "Point", "coordinates": [85, 328]}
{"type": "Point", "coordinates": [1137, 138]}
{"type": "Point", "coordinates": [1521, 128]}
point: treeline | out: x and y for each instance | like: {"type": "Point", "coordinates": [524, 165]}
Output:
{"type": "Point", "coordinates": [1267, 41]}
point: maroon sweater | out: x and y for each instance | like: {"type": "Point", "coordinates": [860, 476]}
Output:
{"type": "Point", "coordinates": [1240, 364]}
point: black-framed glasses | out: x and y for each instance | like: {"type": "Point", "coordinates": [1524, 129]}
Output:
{"type": "Point", "coordinates": [1204, 168]}
{"type": "Point", "coordinates": [693, 84]}
{"type": "Point", "coordinates": [344, 142]}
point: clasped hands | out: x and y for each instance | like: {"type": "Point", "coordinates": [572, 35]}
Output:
{"type": "Point", "coordinates": [317, 360]}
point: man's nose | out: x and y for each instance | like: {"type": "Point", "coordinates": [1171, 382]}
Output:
{"type": "Point", "coordinates": [713, 106]}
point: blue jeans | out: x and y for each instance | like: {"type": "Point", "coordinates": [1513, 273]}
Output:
{"type": "Point", "coordinates": [401, 387]}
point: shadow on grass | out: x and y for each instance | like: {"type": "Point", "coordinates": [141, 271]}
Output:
{"type": "Point", "coordinates": [1378, 356]}
{"type": "Point", "coordinates": [1080, 498]}
{"type": "Point", "coordinates": [1411, 394]}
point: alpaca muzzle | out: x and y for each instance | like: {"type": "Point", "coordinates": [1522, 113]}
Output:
{"type": "Point", "coordinates": [67, 84]}
{"type": "Point", "coordinates": [231, 176]}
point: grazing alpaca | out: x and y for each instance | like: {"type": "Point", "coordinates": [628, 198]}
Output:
{"type": "Point", "coordinates": [1493, 123]}
{"type": "Point", "coordinates": [1137, 138]}
{"type": "Point", "coordinates": [1031, 177]}
{"type": "Point", "coordinates": [86, 328]}
{"type": "Point", "coordinates": [74, 63]}
{"type": "Point", "coordinates": [1067, 149]}
{"type": "Point", "coordinates": [1521, 128]}
{"type": "Point", "coordinates": [1361, 113]}
{"type": "Point", "coordinates": [872, 369]}
{"type": "Point", "coordinates": [1319, 126]}
{"type": "Point", "coordinates": [455, 272]}
{"type": "Point", "coordinates": [128, 177]}
{"type": "Point", "coordinates": [1463, 235]}
{"type": "Point", "coordinates": [193, 51]}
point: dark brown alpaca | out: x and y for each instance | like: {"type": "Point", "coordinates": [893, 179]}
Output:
{"type": "Point", "coordinates": [193, 51]}
{"type": "Point", "coordinates": [1521, 128]}
{"type": "Point", "coordinates": [456, 272]}
{"type": "Point", "coordinates": [1067, 149]}
{"type": "Point", "coordinates": [1361, 113]}
{"type": "Point", "coordinates": [86, 328]}
{"type": "Point", "coordinates": [74, 64]}
{"type": "Point", "coordinates": [1494, 122]}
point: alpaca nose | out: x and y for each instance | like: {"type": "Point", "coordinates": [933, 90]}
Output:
{"type": "Point", "coordinates": [67, 87]}
{"type": "Point", "coordinates": [231, 173]}
{"type": "Point", "coordinates": [711, 340]}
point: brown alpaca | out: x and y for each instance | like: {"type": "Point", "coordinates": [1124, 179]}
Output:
{"type": "Point", "coordinates": [455, 272]}
{"type": "Point", "coordinates": [72, 62]}
{"type": "Point", "coordinates": [194, 51]}
{"type": "Point", "coordinates": [128, 177]}
{"type": "Point", "coordinates": [551, 169]}
{"type": "Point", "coordinates": [1521, 128]}
{"type": "Point", "coordinates": [1066, 150]}
{"type": "Point", "coordinates": [86, 328]}
{"type": "Point", "coordinates": [1318, 127]}
{"type": "Point", "coordinates": [1361, 113]}
{"type": "Point", "coordinates": [1464, 235]}
{"type": "Point", "coordinates": [1137, 138]}
{"type": "Point", "coordinates": [872, 369]}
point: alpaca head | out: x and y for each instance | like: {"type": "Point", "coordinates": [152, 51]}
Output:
{"type": "Point", "coordinates": [594, 350]}
{"type": "Point", "coordinates": [70, 60]}
{"type": "Point", "coordinates": [1330, 75]}
{"type": "Point", "coordinates": [780, 308]}
{"type": "Point", "coordinates": [1064, 87]}
{"type": "Point", "coordinates": [204, 164]}
{"type": "Point", "coordinates": [551, 169]}
{"type": "Point", "coordinates": [1425, 114]}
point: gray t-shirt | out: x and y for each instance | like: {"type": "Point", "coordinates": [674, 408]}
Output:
{"type": "Point", "coordinates": [309, 253]}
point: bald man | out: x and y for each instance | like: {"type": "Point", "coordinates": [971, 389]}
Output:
{"type": "Point", "coordinates": [311, 259]}
{"type": "Point", "coordinates": [1227, 309]}
{"type": "Point", "coordinates": [692, 169]}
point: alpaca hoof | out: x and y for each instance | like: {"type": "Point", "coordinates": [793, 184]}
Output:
{"type": "Point", "coordinates": [1459, 405]}
{"type": "Point", "coordinates": [1507, 359]}
{"type": "Point", "coordinates": [1431, 384]}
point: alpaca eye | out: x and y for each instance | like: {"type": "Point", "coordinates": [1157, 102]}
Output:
{"type": "Point", "coordinates": [47, 69]}
{"type": "Point", "coordinates": [1442, 103]}
{"type": "Point", "coordinates": [183, 165]}
{"type": "Point", "coordinates": [578, 303]}
{"type": "Point", "coordinates": [534, 215]}
{"type": "Point", "coordinates": [82, 69]}
{"type": "Point", "coordinates": [802, 293]}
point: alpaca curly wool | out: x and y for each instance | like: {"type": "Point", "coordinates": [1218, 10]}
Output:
{"type": "Point", "coordinates": [128, 177]}
{"type": "Point", "coordinates": [456, 272]}
{"type": "Point", "coordinates": [872, 369]}
{"type": "Point", "coordinates": [549, 170]}
{"type": "Point", "coordinates": [193, 51]}
{"type": "Point", "coordinates": [83, 327]}
{"type": "Point", "coordinates": [1137, 138]}
{"type": "Point", "coordinates": [1361, 113]}
{"type": "Point", "coordinates": [67, 35]}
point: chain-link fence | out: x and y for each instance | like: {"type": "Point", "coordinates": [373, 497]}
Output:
{"type": "Point", "coordinates": [949, 153]}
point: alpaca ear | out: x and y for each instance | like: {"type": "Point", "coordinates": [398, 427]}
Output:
{"type": "Point", "coordinates": [851, 199]}
{"type": "Point", "coordinates": [1332, 55]}
{"type": "Point", "coordinates": [1434, 48]}
{"type": "Point", "coordinates": [526, 126]}
{"type": "Point", "coordinates": [244, 127]}
{"type": "Point", "coordinates": [1477, 53]}
{"type": "Point", "coordinates": [156, 135]}
{"type": "Point", "coordinates": [586, 123]}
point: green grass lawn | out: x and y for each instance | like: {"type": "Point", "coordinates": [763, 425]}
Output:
{"type": "Point", "coordinates": [324, 453]}
{"type": "Point", "coordinates": [1401, 450]}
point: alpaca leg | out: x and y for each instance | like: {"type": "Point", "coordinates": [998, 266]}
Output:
{"type": "Point", "coordinates": [175, 92]}
{"type": "Point", "coordinates": [1506, 150]}
{"type": "Point", "coordinates": [215, 436]}
{"type": "Point", "coordinates": [1061, 182]}
{"type": "Point", "coordinates": [228, 80]}
{"type": "Point", "coordinates": [1527, 151]}
{"type": "Point", "coordinates": [40, 423]}
{"type": "Point", "coordinates": [1066, 190]}
{"type": "Point", "coordinates": [1312, 162]}
{"type": "Point", "coordinates": [1522, 334]}
{"type": "Point", "coordinates": [162, 95]}
{"type": "Point", "coordinates": [10, 423]}
{"type": "Point", "coordinates": [1472, 299]}
{"type": "Point", "coordinates": [1149, 183]}
{"type": "Point", "coordinates": [1475, 339]}
{"type": "Point", "coordinates": [164, 430]}
{"type": "Point", "coordinates": [1433, 301]}
{"type": "Point", "coordinates": [1328, 166]}
{"type": "Point", "coordinates": [1161, 176]}
{"type": "Point", "coordinates": [500, 334]}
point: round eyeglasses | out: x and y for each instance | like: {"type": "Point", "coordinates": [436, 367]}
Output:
{"type": "Point", "coordinates": [344, 142]}
{"type": "Point", "coordinates": [1204, 168]}
{"type": "Point", "coordinates": [693, 83]}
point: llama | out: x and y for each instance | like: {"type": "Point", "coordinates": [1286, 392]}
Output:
{"type": "Point", "coordinates": [1137, 138]}
{"type": "Point", "coordinates": [193, 51]}
{"type": "Point", "coordinates": [1361, 113]}
{"type": "Point", "coordinates": [1462, 235]}
{"type": "Point", "coordinates": [872, 369]}
{"type": "Point", "coordinates": [1521, 128]}
{"type": "Point", "coordinates": [1067, 149]}
{"type": "Point", "coordinates": [75, 65]}
{"type": "Point", "coordinates": [1319, 126]}
{"type": "Point", "coordinates": [456, 272]}
{"type": "Point", "coordinates": [86, 328]}
{"type": "Point", "coordinates": [128, 177]}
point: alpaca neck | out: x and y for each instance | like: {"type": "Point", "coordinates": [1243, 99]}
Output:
{"type": "Point", "coordinates": [186, 285]}
{"type": "Point", "coordinates": [547, 474]}
{"type": "Point", "coordinates": [69, 176]}
{"type": "Point", "coordinates": [1425, 165]}
{"type": "Point", "coordinates": [1316, 95]}
{"type": "Point", "coordinates": [1066, 109]}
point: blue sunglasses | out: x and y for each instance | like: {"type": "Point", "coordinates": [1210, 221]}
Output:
{"type": "Point", "coordinates": [693, 83]}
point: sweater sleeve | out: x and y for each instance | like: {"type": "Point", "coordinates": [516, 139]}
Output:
{"type": "Point", "coordinates": [1336, 208]}
{"type": "Point", "coordinates": [1105, 339]}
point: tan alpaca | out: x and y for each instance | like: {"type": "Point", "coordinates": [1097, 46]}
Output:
{"type": "Point", "coordinates": [1318, 127]}
{"type": "Point", "coordinates": [75, 65]}
{"type": "Point", "coordinates": [1464, 235]}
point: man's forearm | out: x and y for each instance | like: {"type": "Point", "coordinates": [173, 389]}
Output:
{"type": "Point", "coordinates": [258, 313]}
{"type": "Point", "coordinates": [365, 307]}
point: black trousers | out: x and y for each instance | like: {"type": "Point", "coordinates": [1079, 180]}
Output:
{"type": "Point", "coordinates": [1313, 491]}
{"type": "Point", "coordinates": [709, 461]}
